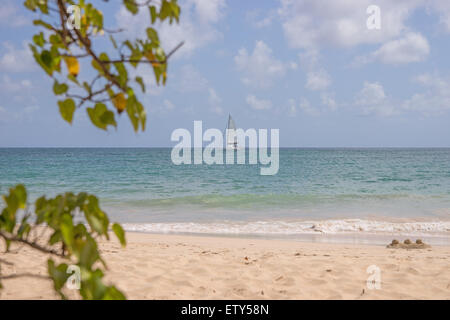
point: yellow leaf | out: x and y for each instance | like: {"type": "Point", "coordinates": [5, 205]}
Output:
{"type": "Point", "coordinates": [119, 102]}
{"type": "Point", "coordinates": [151, 57]}
{"type": "Point", "coordinates": [72, 65]}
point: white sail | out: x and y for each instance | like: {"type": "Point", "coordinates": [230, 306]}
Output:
{"type": "Point", "coordinates": [231, 137]}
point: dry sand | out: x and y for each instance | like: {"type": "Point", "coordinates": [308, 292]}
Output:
{"type": "Point", "coordinates": [193, 267]}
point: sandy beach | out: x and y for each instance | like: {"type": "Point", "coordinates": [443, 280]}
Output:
{"type": "Point", "coordinates": [193, 267]}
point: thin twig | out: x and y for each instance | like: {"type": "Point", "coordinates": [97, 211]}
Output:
{"type": "Point", "coordinates": [148, 61]}
{"type": "Point", "coordinates": [31, 244]}
{"type": "Point", "coordinates": [25, 274]}
{"type": "Point", "coordinates": [6, 262]}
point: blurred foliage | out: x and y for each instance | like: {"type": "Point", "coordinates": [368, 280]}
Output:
{"type": "Point", "coordinates": [74, 243]}
{"type": "Point", "coordinates": [64, 49]}
{"type": "Point", "coordinates": [66, 46]}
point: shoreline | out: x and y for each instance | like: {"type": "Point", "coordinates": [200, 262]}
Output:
{"type": "Point", "coordinates": [155, 266]}
{"type": "Point", "coordinates": [343, 238]}
{"type": "Point", "coordinates": [346, 230]}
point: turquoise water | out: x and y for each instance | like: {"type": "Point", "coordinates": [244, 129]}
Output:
{"type": "Point", "coordinates": [335, 189]}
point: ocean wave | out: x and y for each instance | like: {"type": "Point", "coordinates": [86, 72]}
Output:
{"type": "Point", "coordinates": [344, 226]}
{"type": "Point", "coordinates": [271, 199]}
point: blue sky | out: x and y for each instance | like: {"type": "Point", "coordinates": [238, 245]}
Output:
{"type": "Point", "coordinates": [311, 68]}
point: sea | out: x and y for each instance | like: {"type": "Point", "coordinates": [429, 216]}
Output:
{"type": "Point", "coordinates": [364, 195]}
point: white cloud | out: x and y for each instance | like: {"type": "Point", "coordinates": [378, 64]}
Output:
{"type": "Point", "coordinates": [309, 59]}
{"type": "Point", "coordinates": [413, 47]}
{"type": "Point", "coordinates": [215, 102]}
{"type": "Point", "coordinates": [260, 68]}
{"type": "Point", "coordinates": [372, 93]}
{"type": "Point", "coordinates": [373, 100]}
{"type": "Point", "coordinates": [306, 107]}
{"type": "Point", "coordinates": [310, 24]}
{"type": "Point", "coordinates": [259, 19]}
{"type": "Point", "coordinates": [258, 104]}
{"type": "Point", "coordinates": [197, 26]}
{"type": "Point", "coordinates": [24, 114]}
{"type": "Point", "coordinates": [209, 10]}
{"type": "Point", "coordinates": [329, 101]}
{"type": "Point", "coordinates": [317, 80]}
{"type": "Point", "coordinates": [17, 60]}
{"type": "Point", "coordinates": [9, 15]}
{"type": "Point", "coordinates": [169, 106]}
{"type": "Point", "coordinates": [191, 80]}
{"type": "Point", "coordinates": [10, 86]}
{"type": "Point", "coordinates": [434, 100]}
{"type": "Point", "coordinates": [292, 108]}
{"type": "Point", "coordinates": [442, 8]}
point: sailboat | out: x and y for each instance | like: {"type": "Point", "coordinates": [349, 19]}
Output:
{"type": "Point", "coordinates": [231, 138]}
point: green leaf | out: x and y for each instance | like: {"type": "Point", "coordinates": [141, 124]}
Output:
{"type": "Point", "coordinates": [87, 87]}
{"type": "Point", "coordinates": [24, 228]}
{"type": "Point", "coordinates": [30, 4]}
{"type": "Point", "coordinates": [46, 58]}
{"type": "Point", "coordinates": [120, 234]}
{"type": "Point", "coordinates": [72, 78]}
{"type": "Point", "coordinates": [153, 14]}
{"type": "Point", "coordinates": [58, 274]}
{"type": "Point", "coordinates": [101, 117]}
{"type": "Point", "coordinates": [131, 111]}
{"type": "Point", "coordinates": [67, 108]}
{"type": "Point", "coordinates": [15, 200]}
{"type": "Point", "coordinates": [165, 10]}
{"type": "Point", "coordinates": [112, 293]}
{"type": "Point", "coordinates": [131, 6]}
{"type": "Point", "coordinates": [42, 23]}
{"type": "Point", "coordinates": [158, 72]}
{"type": "Point", "coordinates": [39, 40]}
{"type": "Point", "coordinates": [88, 253]}
{"type": "Point", "coordinates": [142, 115]}
{"type": "Point", "coordinates": [59, 88]}
{"type": "Point", "coordinates": [67, 230]}
{"type": "Point", "coordinates": [55, 39]}
{"type": "Point", "coordinates": [136, 112]}
{"type": "Point", "coordinates": [104, 57]}
{"type": "Point", "coordinates": [55, 237]}
{"type": "Point", "coordinates": [97, 18]}
{"type": "Point", "coordinates": [21, 194]}
{"type": "Point", "coordinates": [152, 35]}
{"type": "Point", "coordinates": [43, 6]}
{"type": "Point", "coordinates": [113, 41]}
{"type": "Point", "coordinates": [96, 218]}
{"type": "Point", "coordinates": [123, 74]}
{"type": "Point", "coordinates": [176, 10]}
{"type": "Point", "coordinates": [140, 81]}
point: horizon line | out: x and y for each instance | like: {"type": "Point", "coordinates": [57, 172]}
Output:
{"type": "Point", "coordinates": [170, 147]}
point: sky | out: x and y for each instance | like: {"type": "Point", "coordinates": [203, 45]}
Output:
{"type": "Point", "coordinates": [310, 68]}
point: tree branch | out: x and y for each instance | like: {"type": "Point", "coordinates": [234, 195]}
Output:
{"type": "Point", "coordinates": [89, 50]}
{"type": "Point", "coordinates": [25, 274]}
{"type": "Point", "coordinates": [148, 61]}
{"type": "Point", "coordinates": [6, 262]}
{"type": "Point", "coordinates": [31, 244]}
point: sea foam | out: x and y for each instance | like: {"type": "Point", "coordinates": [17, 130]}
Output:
{"type": "Point", "coordinates": [344, 226]}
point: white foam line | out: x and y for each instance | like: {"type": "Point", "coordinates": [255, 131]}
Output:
{"type": "Point", "coordinates": [435, 228]}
